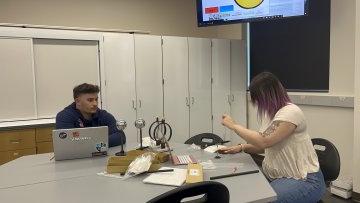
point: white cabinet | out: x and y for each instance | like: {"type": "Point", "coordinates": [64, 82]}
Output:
{"type": "Point", "coordinates": [176, 90]}
{"type": "Point", "coordinates": [220, 85]}
{"type": "Point", "coordinates": [133, 66]}
{"type": "Point", "coordinates": [120, 80]}
{"type": "Point", "coordinates": [200, 85]}
{"type": "Point", "coordinates": [18, 95]}
{"type": "Point", "coordinates": [148, 66]}
{"type": "Point", "coordinates": [188, 81]}
{"type": "Point", "coordinates": [238, 75]}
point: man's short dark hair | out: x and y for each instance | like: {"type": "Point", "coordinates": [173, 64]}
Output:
{"type": "Point", "coordinates": [85, 88]}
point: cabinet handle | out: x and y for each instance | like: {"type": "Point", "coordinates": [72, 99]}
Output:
{"type": "Point", "coordinates": [133, 104]}
{"type": "Point", "coordinates": [139, 103]}
{"type": "Point", "coordinates": [232, 97]}
{"type": "Point", "coordinates": [229, 99]}
{"type": "Point", "coordinates": [187, 101]}
{"type": "Point", "coordinates": [16, 154]}
{"type": "Point", "coordinates": [192, 100]}
{"type": "Point", "coordinates": [15, 141]}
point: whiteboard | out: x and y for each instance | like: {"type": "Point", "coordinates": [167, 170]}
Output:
{"type": "Point", "coordinates": [16, 80]}
{"type": "Point", "coordinates": [60, 65]}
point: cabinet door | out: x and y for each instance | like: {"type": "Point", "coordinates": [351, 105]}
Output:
{"type": "Point", "coordinates": [18, 94]}
{"type": "Point", "coordinates": [176, 91]}
{"type": "Point", "coordinates": [200, 85]}
{"type": "Point", "coordinates": [220, 85]}
{"type": "Point", "coordinates": [148, 62]}
{"type": "Point", "coordinates": [238, 86]}
{"type": "Point", "coordinates": [120, 80]}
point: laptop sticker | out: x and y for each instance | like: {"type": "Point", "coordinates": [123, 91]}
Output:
{"type": "Point", "coordinates": [62, 135]}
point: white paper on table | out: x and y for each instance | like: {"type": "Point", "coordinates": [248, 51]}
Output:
{"type": "Point", "coordinates": [194, 146]}
{"type": "Point", "coordinates": [214, 148]}
{"type": "Point", "coordinates": [208, 165]}
{"type": "Point", "coordinates": [173, 178]}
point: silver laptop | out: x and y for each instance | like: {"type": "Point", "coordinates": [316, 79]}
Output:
{"type": "Point", "coordinates": [80, 142]}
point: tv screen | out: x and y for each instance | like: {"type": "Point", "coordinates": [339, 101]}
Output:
{"type": "Point", "coordinates": [218, 12]}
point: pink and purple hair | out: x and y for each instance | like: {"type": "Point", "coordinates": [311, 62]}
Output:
{"type": "Point", "coordinates": [268, 94]}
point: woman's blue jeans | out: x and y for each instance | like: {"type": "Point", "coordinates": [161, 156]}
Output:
{"type": "Point", "coordinates": [306, 190]}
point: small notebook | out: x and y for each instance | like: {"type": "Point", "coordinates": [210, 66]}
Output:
{"type": "Point", "coordinates": [173, 178]}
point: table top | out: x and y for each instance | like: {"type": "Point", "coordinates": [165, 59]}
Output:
{"type": "Point", "coordinates": [36, 178]}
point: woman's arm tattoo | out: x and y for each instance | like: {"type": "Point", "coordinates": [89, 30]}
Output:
{"type": "Point", "coordinates": [274, 125]}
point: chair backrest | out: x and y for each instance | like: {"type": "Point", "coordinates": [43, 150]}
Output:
{"type": "Point", "coordinates": [329, 158]}
{"type": "Point", "coordinates": [213, 192]}
{"type": "Point", "coordinates": [204, 140]}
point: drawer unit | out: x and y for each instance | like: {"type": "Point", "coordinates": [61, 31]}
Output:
{"type": "Point", "coordinates": [4, 157]}
{"type": "Point", "coordinates": [44, 134]}
{"type": "Point", "coordinates": [44, 147]}
{"type": "Point", "coordinates": [14, 154]}
{"type": "Point", "coordinates": [17, 139]}
{"type": "Point", "coordinates": [44, 140]}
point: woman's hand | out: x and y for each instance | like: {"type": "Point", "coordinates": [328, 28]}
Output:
{"type": "Point", "coordinates": [231, 150]}
{"type": "Point", "coordinates": [228, 122]}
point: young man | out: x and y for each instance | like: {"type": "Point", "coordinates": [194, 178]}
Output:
{"type": "Point", "coordinates": [84, 112]}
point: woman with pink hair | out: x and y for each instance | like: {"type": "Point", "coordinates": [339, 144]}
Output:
{"type": "Point", "coordinates": [290, 162]}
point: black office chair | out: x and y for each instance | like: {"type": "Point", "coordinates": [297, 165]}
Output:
{"type": "Point", "coordinates": [212, 192]}
{"type": "Point", "coordinates": [204, 140]}
{"type": "Point", "coordinates": [329, 159]}
{"type": "Point", "coordinates": [258, 158]}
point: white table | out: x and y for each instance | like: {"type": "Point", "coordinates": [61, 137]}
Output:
{"type": "Point", "coordinates": [35, 178]}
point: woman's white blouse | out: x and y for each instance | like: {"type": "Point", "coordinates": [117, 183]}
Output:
{"type": "Point", "coordinates": [295, 156]}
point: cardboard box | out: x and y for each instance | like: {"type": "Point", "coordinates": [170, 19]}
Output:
{"type": "Point", "coordinates": [119, 164]}
{"type": "Point", "coordinates": [194, 173]}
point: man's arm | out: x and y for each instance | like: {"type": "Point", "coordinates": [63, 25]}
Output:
{"type": "Point", "coordinates": [64, 121]}
{"type": "Point", "coordinates": [116, 136]}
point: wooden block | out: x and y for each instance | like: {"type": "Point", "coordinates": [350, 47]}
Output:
{"type": "Point", "coordinates": [119, 164]}
{"type": "Point", "coordinates": [44, 134]}
{"type": "Point", "coordinates": [17, 139]}
{"type": "Point", "coordinates": [162, 157]}
{"type": "Point", "coordinates": [155, 167]}
{"type": "Point", "coordinates": [194, 173]}
{"type": "Point", "coordinates": [135, 153]}
{"type": "Point", "coordinates": [122, 169]}
{"type": "Point", "coordinates": [44, 147]}
{"type": "Point", "coordinates": [124, 160]}
{"type": "Point", "coordinates": [116, 169]}
{"type": "Point", "coordinates": [120, 160]}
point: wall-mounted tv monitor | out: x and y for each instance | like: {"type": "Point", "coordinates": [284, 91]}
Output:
{"type": "Point", "coordinates": [219, 12]}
